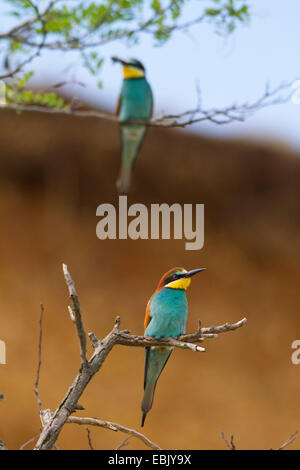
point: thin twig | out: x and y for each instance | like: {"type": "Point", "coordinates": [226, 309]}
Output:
{"type": "Point", "coordinates": [36, 383]}
{"type": "Point", "coordinates": [27, 23]}
{"type": "Point", "coordinates": [223, 328]}
{"type": "Point", "coordinates": [230, 444]}
{"type": "Point", "coordinates": [28, 442]}
{"type": "Point", "coordinates": [113, 427]}
{"type": "Point", "coordinates": [28, 60]}
{"type": "Point", "coordinates": [123, 443]}
{"type": "Point", "coordinates": [89, 439]}
{"type": "Point", "coordinates": [289, 441]}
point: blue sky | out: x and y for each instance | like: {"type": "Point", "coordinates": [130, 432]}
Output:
{"type": "Point", "coordinates": [229, 70]}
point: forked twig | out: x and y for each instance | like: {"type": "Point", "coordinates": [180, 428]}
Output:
{"type": "Point", "coordinates": [230, 444]}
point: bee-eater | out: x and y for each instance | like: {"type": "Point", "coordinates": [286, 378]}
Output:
{"type": "Point", "coordinates": [135, 103]}
{"type": "Point", "coordinates": [166, 316]}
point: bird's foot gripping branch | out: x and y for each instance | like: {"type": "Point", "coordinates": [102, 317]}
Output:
{"type": "Point", "coordinates": [54, 422]}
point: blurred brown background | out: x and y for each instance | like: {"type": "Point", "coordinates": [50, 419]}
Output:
{"type": "Point", "coordinates": [54, 172]}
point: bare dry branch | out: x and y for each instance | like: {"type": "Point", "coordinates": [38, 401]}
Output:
{"type": "Point", "coordinates": [2, 445]}
{"type": "Point", "coordinates": [113, 427]}
{"type": "Point", "coordinates": [53, 422]}
{"type": "Point", "coordinates": [75, 314]}
{"type": "Point", "coordinates": [289, 441]}
{"type": "Point", "coordinates": [234, 113]}
{"type": "Point", "coordinates": [146, 341]}
{"type": "Point", "coordinates": [232, 446]}
{"type": "Point", "coordinates": [215, 330]}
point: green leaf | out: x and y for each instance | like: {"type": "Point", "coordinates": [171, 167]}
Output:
{"type": "Point", "coordinates": [156, 5]}
{"type": "Point", "coordinates": [212, 12]}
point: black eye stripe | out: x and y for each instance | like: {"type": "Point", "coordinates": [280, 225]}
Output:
{"type": "Point", "coordinates": [171, 278]}
{"type": "Point", "coordinates": [138, 65]}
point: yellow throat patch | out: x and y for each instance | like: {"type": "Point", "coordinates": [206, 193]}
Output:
{"type": "Point", "coordinates": [132, 72]}
{"type": "Point", "coordinates": [180, 283]}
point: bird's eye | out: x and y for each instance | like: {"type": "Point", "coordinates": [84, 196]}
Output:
{"type": "Point", "coordinates": [175, 276]}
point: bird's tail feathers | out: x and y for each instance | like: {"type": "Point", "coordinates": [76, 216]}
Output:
{"type": "Point", "coordinates": [155, 361]}
{"type": "Point", "coordinates": [143, 419]}
{"type": "Point", "coordinates": [147, 400]}
{"type": "Point", "coordinates": [123, 183]}
{"type": "Point", "coordinates": [132, 138]}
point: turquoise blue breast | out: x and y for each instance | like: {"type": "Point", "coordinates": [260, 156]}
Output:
{"type": "Point", "coordinates": [168, 311]}
{"type": "Point", "coordinates": [136, 99]}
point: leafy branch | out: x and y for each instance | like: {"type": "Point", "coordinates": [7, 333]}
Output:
{"type": "Point", "coordinates": [77, 25]}
{"type": "Point", "coordinates": [86, 26]}
{"type": "Point", "coordinates": [30, 101]}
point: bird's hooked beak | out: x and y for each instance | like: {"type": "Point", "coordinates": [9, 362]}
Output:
{"type": "Point", "coordinates": [193, 272]}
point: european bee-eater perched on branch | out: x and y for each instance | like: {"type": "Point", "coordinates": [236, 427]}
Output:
{"type": "Point", "coordinates": [166, 316]}
{"type": "Point", "coordinates": [135, 103]}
